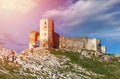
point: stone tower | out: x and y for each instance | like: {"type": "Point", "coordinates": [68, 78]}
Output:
{"type": "Point", "coordinates": [46, 33]}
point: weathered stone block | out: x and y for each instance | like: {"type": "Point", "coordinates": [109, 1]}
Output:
{"type": "Point", "coordinates": [103, 49]}
{"type": "Point", "coordinates": [33, 37]}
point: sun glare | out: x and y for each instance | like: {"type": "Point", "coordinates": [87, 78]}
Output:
{"type": "Point", "coordinates": [16, 5]}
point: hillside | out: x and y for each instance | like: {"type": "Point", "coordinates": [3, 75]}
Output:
{"type": "Point", "coordinates": [60, 64]}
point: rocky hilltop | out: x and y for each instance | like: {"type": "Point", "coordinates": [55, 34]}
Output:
{"type": "Point", "coordinates": [40, 63]}
{"type": "Point", "coordinates": [7, 54]}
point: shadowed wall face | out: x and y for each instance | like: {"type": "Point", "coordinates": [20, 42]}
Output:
{"type": "Point", "coordinates": [56, 40]}
{"type": "Point", "coordinates": [46, 33]}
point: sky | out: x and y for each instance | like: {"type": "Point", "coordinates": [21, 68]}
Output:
{"type": "Point", "coordinates": [92, 18]}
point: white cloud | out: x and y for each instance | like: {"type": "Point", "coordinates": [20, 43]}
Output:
{"type": "Point", "coordinates": [118, 29]}
{"type": "Point", "coordinates": [81, 11]}
{"type": "Point", "coordinates": [110, 18]}
{"type": "Point", "coordinates": [113, 34]}
{"type": "Point", "coordinates": [16, 5]}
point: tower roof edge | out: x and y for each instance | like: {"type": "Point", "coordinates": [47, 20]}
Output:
{"type": "Point", "coordinates": [47, 19]}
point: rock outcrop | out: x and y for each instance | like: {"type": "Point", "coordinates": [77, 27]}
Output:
{"type": "Point", "coordinates": [48, 66]}
{"type": "Point", "coordinates": [7, 55]}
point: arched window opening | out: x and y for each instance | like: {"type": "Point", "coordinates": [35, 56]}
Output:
{"type": "Point", "coordinates": [45, 22]}
{"type": "Point", "coordinates": [45, 34]}
{"type": "Point", "coordinates": [45, 26]}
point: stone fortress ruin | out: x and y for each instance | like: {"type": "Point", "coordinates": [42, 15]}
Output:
{"type": "Point", "coordinates": [48, 38]}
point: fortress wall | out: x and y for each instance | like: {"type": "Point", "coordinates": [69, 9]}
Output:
{"type": "Point", "coordinates": [94, 44]}
{"type": "Point", "coordinates": [72, 43]}
{"type": "Point", "coordinates": [78, 43]}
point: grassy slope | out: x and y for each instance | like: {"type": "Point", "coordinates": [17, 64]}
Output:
{"type": "Point", "coordinates": [111, 70]}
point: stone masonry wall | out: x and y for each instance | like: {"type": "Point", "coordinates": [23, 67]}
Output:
{"type": "Point", "coordinates": [33, 37]}
{"type": "Point", "coordinates": [56, 40]}
{"type": "Point", "coordinates": [94, 44]}
{"type": "Point", "coordinates": [72, 43]}
{"type": "Point", "coordinates": [78, 43]}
